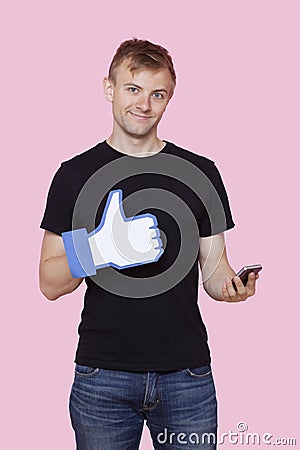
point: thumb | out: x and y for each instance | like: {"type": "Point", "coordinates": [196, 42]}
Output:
{"type": "Point", "coordinates": [113, 212]}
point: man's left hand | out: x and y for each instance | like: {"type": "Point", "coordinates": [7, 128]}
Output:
{"type": "Point", "coordinates": [242, 292]}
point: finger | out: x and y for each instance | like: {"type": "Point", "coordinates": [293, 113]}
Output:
{"type": "Point", "coordinates": [231, 291]}
{"type": "Point", "coordinates": [250, 286]}
{"type": "Point", "coordinates": [240, 288]}
{"type": "Point", "coordinates": [228, 292]}
{"type": "Point", "coordinates": [225, 293]}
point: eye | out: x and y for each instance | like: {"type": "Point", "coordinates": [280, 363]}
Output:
{"type": "Point", "coordinates": [133, 89]}
{"type": "Point", "coordinates": [158, 95]}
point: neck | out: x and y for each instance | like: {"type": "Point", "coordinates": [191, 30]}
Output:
{"type": "Point", "coordinates": [136, 146]}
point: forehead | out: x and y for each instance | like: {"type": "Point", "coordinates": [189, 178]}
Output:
{"type": "Point", "coordinates": [144, 76]}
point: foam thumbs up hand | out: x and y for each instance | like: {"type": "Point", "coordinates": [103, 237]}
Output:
{"type": "Point", "coordinates": [118, 241]}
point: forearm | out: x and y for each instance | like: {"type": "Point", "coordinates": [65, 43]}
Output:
{"type": "Point", "coordinates": [55, 277]}
{"type": "Point", "coordinates": [213, 280]}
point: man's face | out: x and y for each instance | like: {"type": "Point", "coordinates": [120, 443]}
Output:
{"type": "Point", "coordinates": [139, 99]}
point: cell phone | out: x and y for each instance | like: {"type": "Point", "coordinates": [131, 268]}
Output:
{"type": "Point", "coordinates": [244, 273]}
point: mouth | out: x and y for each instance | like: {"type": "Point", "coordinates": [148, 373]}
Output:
{"type": "Point", "coordinates": [139, 116]}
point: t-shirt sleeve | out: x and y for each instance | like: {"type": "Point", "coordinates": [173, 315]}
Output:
{"type": "Point", "coordinates": [217, 215]}
{"type": "Point", "coordinates": [60, 204]}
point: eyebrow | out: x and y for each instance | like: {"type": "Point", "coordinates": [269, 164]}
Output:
{"type": "Point", "coordinates": [140, 87]}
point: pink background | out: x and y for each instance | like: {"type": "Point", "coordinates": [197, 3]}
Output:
{"type": "Point", "coordinates": [237, 102]}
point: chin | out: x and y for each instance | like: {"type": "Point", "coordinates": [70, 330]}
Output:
{"type": "Point", "coordinates": [137, 132]}
{"type": "Point", "coordinates": [138, 135]}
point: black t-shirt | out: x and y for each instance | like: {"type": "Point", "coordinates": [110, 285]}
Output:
{"type": "Point", "coordinates": [143, 318]}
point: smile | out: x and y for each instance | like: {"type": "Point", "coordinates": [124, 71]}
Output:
{"type": "Point", "coordinates": [139, 117]}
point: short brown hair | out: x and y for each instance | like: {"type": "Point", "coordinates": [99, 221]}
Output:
{"type": "Point", "coordinates": [141, 54]}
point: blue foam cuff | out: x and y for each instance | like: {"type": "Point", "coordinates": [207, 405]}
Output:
{"type": "Point", "coordinates": [79, 254]}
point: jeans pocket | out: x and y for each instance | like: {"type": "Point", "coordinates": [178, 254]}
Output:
{"type": "Point", "coordinates": [200, 372]}
{"type": "Point", "coordinates": [86, 371]}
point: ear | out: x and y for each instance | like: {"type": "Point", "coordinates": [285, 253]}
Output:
{"type": "Point", "coordinates": [108, 88]}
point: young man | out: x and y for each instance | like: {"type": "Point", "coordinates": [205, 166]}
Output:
{"type": "Point", "coordinates": [134, 216]}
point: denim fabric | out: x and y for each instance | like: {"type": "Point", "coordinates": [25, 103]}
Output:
{"type": "Point", "coordinates": [108, 409]}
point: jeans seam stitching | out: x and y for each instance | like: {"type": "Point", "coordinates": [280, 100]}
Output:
{"type": "Point", "coordinates": [199, 375]}
{"type": "Point", "coordinates": [87, 375]}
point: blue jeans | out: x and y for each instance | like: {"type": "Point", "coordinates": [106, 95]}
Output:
{"type": "Point", "coordinates": [108, 409]}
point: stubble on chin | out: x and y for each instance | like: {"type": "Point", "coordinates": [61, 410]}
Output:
{"type": "Point", "coordinates": [137, 129]}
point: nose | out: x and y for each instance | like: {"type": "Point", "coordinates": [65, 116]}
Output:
{"type": "Point", "coordinates": [143, 103]}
